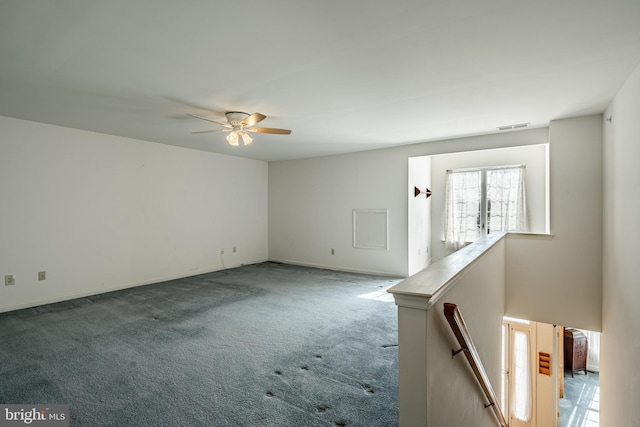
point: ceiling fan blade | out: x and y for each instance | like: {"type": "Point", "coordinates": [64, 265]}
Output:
{"type": "Point", "coordinates": [253, 119]}
{"type": "Point", "coordinates": [270, 130]}
{"type": "Point", "coordinates": [208, 131]}
{"type": "Point", "coordinates": [209, 120]}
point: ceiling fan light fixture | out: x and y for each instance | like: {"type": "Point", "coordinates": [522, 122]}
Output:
{"type": "Point", "coordinates": [239, 125]}
{"type": "Point", "coordinates": [232, 138]}
{"type": "Point", "coordinates": [246, 138]}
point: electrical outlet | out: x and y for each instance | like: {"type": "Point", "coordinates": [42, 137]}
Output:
{"type": "Point", "coordinates": [42, 275]}
{"type": "Point", "coordinates": [234, 249]}
{"type": "Point", "coordinates": [9, 280]}
{"type": "Point", "coordinates": [221, 251]}
{"type": "Point", "coordinates": [333, 251]}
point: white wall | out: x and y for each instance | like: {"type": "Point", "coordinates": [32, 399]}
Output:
{"type": "Point", "coordinates": [532, 156]}
{"type": "Point", "coordinates": [558, 279]}
{"type": "Point", "coordinates": [419, 233]}
{"type": "Point", "coordinates": [310, 211]}
{"type": "Point", "coordinates": [99, 212]}
{"type": "Point", "coordinates": [620, 341]}
{"type": "Point", "coordinates": [454, 397]}
{"type": "Point", "coordinates": [435, 389]}
{"type": "Point", "coordinates": [311, 200]}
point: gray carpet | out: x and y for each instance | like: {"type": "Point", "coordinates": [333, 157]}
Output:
{"type": "Point", "coordinates": [260, 345]}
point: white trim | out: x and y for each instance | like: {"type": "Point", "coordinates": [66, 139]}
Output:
{"type": "Point", "coordinates": [365, 222]}
{"type": "Point", "coordinates": [70, 297]}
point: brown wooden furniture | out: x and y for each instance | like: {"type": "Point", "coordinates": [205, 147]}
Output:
{"type": "Point", "coordinates": [575, 351]}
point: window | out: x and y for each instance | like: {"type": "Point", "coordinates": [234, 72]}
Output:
{"type": "Point", "coordinates": [479, 201]}
{"type": "Point", "coordinates": [518, 367]}
{"type": "Point", "coordinates": [521, 403]}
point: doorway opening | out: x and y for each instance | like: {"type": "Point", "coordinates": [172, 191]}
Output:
{"type": "Point", "coordinates": [579, 402]}
{"type": "Point", "coordinates": [549, 375]}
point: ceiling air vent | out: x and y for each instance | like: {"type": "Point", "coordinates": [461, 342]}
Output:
{"type": "Point", "coordinates": [516, 126]}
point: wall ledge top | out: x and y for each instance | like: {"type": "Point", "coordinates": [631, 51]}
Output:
{"type": "Point", "coordinates": [423, 288]}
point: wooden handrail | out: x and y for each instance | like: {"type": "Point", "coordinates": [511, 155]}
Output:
{"type": "Point", "coordinates": [454, 317]}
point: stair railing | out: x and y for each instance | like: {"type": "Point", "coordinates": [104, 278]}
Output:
{"type": "Point", "coordinates": [454, 317]}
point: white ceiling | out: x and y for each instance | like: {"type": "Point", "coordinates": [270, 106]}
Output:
{"type": "Point", "coordinates": [344, 75]}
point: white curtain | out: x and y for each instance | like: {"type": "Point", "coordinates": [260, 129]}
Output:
{"type": "Point", "coordinates": [506, 199]}
{"type": "Point", "coordinates": [462, 208]}
{"type": "Point", "coordinates": [522, 399]}
{"type": "Point", "coordinates": [471, 193]}
{"type": "Point", "coordinates": [593, 351]}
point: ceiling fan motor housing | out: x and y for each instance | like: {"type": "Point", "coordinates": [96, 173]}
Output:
{"type": "Point", "coordinates": [235, 117]}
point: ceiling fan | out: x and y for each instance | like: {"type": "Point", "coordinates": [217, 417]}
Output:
{"type": "Point", "coordinates": [239, 125]}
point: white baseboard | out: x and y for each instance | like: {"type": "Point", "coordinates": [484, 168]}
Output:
{"type": "Point", "coordinates": [69, 297]}
{"type": "Point", "coordinates": [334, 268]}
